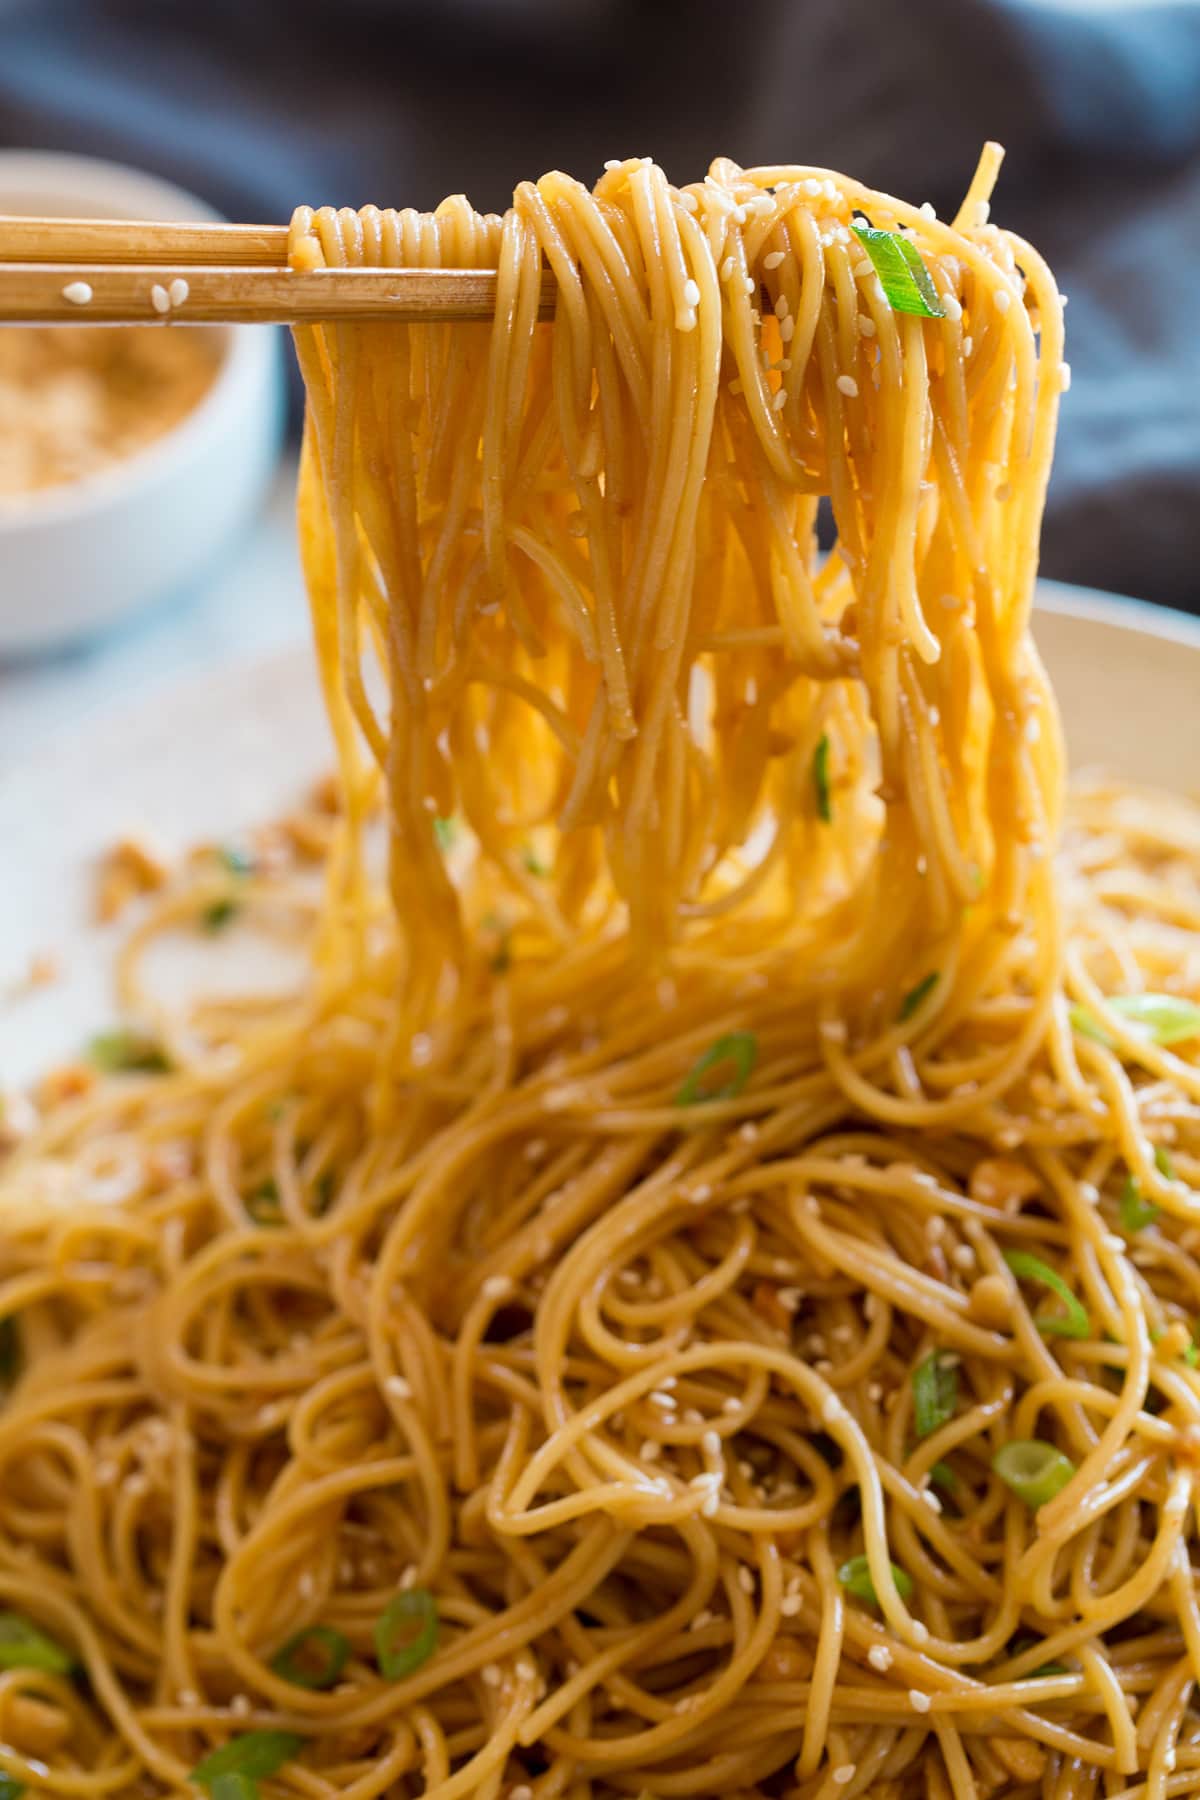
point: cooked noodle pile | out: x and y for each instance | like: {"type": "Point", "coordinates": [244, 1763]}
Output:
{"type": "Point", "coordinates": [694, 1297]}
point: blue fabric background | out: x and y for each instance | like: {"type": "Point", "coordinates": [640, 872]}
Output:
{"type": "Point", "coordinates": [260, 103]}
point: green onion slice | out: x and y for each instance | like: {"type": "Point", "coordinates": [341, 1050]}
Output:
{"type": "Point", "coordinates": [906, 282]}
{"type": "Point", "coordinates": [10, 1787]}
{"type": "Point", "coordinates": [23, 1646]}
{"type": "Point", "coordinates": [943, 1476]}
{"type": "Point", "coordinates": [221, 913]}
{"type": "Point", "coordinates": [263, 1204]}
{"type": "Point", "coordinates": [1074, 1323]}
{"type": "Point", "coordinates": [935, 1392]}
{"type": "Point", "coordinates": [916, 997]}
{"type": "Point", "coordinates": [1135, 1212]}
{"type": "Point", "coordinates": [737, 1047]}
{"type": "Point", "coordinates": [533, 862]}
{"type": "Point", "coordinates": [445, 831]}
{"type": "Point", "coordinates": [413, 1605]}
{"type": "Point", "coordinates": [855, 1577]}
{"type": "Point", "coordinates": [234, 1786]}
{"type": "Point", "coordinates": [255, 1754]}
{"type": "Point", "coordinates": [1033, 1469]}
{"type": "Point", "coordinates": [1163, 1018]}
{"type": "Point", "coordinates": [314, 1658]}
{"type": "Point", "coordinates": [820, 772]}
{"type": "Point", "coordinates": [128, 1052]}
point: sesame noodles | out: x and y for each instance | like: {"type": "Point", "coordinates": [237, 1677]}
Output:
{"type": "Point", "coordinates": [694, 1296]}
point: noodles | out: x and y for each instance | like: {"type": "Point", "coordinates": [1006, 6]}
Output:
{"type": "Point", "coordinates": [694, 1296]}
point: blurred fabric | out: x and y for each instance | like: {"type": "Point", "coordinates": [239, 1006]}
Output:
{"type": "Point", "coordinates": [258, 104]}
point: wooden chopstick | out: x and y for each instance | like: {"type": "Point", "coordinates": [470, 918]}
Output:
{"type": "Point", "coordinates": [129, 272]}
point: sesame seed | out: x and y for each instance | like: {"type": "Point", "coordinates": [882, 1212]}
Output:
{"type": "Point", "coordinates": [1065, 377]}
{"type": "Point", "coordinates": [691, 293]}
{"type": "Point", "coordinates": [782, 307]}
{"type": "Point", "coordinates": [880, 1657]}
{"type": "Point", "coordinates": [926, 210]}
{"type": "Point", "coordinates": [963, 1256]}
{"type": "Point", "coordinates": [789, 1298]}
{"type": "Point", "coordinates": [773, 260]}
{"type": "Point", "coordinates": [731, 1404]}
{"type": "Point", "coordinates": [160, 300]}
{"type": "Point", "coordinates": [491, 1674]}
{"type": "Point", "coordinates": [875, 1392]}
{"type": "Point", "coordinates": [700, 1620]}
{"type": "Point", "coordinates": [660, 1398]}
{"type": "Point", "coordinates": [692, 1417]}
{"type": "Point", "coordinates": [866, 325]}
{"type": "Point", "coordinates": [1111, 1241]}
{"type": "Point", "coordinates": [613, 163]}
{"type": "Point", "coordinates": [651, 1451]}
{"type": "Point", "coordinates": [710, 1443]}
{"type": "Point", "coordinates": [398, 1387]}
{"type": "Point", "coordinates": [178, 291]}
{"type": "Point", "coordinates": [918, 1701]}
{"type": "Point", "coordinates": [920, 1632]}
{"type": "Point", "coordinates": [1003, 300]}
{"type": "Point", "coordinates": [77, 292]}
{"type": "Point", "coordinates": [750, 284]}
{"type": "Point", "coordinates": [843, 1773]}
{"type": "Point", "coordinates": [745, 1579]}
{"type": "Point", "coordinates": [524, 1792]}
{"type": "Point", "coordinates": [831, 1409]}
{"type": "Point", "coordinates": [240, 1706]}
{"type": "Point", "coordinates": [727, 268]}
{"type": "Point", "coordinates": [951, 306]}
{"type": "Point", "coordinates": [848, 385]}
{"type": "Point", "coordinates": [779, 400]}
{"type": "Point", "coordinates": [497, 1287]}
{"type": "Point", "coordinates": [791, 1605]}
{"type": "Point", "coordinates": [735, 386]}
{"type": "Point", "coordinates": [711, 1503]}
{"type": "Point", "coordinates": [935, 1228]}
{"type": "Point", "coordinates": [811, 186]}
{"type": "Point", "coordinates": [968, 345]}
{"type": "Point", "coordinates": [787, 329]}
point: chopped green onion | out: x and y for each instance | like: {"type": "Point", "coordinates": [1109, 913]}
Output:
{"type": "Point", "coordinates": [906, 282]}
{"type": "Point", "coordinates": [737, 1047]}
{"type": "Point", "coordinates": [263, 1204]}
{"type": "Point", "coordinates": [916, 997]}
{"type": "Point", "coordinates": [1135, 1212]}
{"type": "Point", "coordinates": [1075, 1322]}
{"type": "Point", "coordinates": [1163, 1018]}
{"type": "Point", "coordinates": [533, 862]}
{"type": "Point", "coordinates": [943, 1476]}
{"type": "Point", "coordinates": [234, 1786]}
{"type": "Point", "coordinates": [23, 1646]}
{"type": "Point", "coordinates": [820, 770]}
{"type": "Point", "coordinates": [1020, 1645]}
{"type": "Point", "coordinates": [238, 862]}
{"type": "Point", "coordinates": [10, 1787]}
{"type": "Point", "coordinates": [128, 1052]}
{"type": "Point", "coordinates": [1034, 1470]}
{"type": "Point", "coordinates": [216, 917]}
{"type": "Point", "coordinates": [255, 1754]}
{"type": "Point", "coordinates": [855, 1577]}
{"type": "Point", "coordinates": [10, 1350]}
{"type": "Point", "coordinates": [445, 831]}
{"type": "Point", "coordinates": [398, 1660]}
{"type": "Point", "coordinates": [318, 1645]}
{"type": "Point", "coordinates": [935, 1392]}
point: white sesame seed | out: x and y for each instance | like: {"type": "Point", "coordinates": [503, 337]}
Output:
{"type": "Point", "coordinates": [843, 1773]}
{"type": "Point", "coordinates": [920, 1631]}
{"type": "Point", "coordinates": [748, 1132]}
{"type": "Point", "coordinates": [875, 1392]}
{"type": "Point", "coordinates": [918, 1701]}
{"type": "Point", "coordinates": [651, 1451]}
{"type": "Point", "coordinates": [968, 345]}
{"type": "Point", "coordinates": [710, 1504]}
{"type": "Point", "coordinates": [963, 1256]}
{"type": "Point", "coordinates": [160, 300]}
{"type": "Point", "coordinates": [731, 1404]}
{"type": "Point", "coordinates": [710, 1443]}
{"type": "Point", "coordinates": [727, 268]}
{"type": "Point", "coordinates": [700, 1193]}
{"type": "Point", "coordinates": [735, 386]}
{"type": "Point", "coordinates": [1003, 300]}
{"type": "Point", "coordinates": [492, 1674]}
{"type": "Point", "coordinates": [745, 1579]}
{"type": "Point", "coordinates": [831, 1409]}
{"type": "Point", "coordinates": [77, 292]}
{"type": "Point", "coordinates": [790, 1605]}
{"type": "Point", "coordinates": [782, 307]}
{"type": "Point", "coordinates": [700, 1620]}
{"type": "Point", "coordinates": [497, 1287]}
{"type": "Point", "coordinates": [811, 186]}
{"type": "Point", "coordinates": [1111, 1241]}
{"type": "Point", "coordinates": [848, 385]}
{"type": "Point", "coordinates": [935, 1228]}
{"type": "Point", "coordinates": [880, 1657]}
{"type": "Point", "coordinates": [524, 1792]}
{"type": "Point", "coordinates": [750, 284]}
{"type": "Point", "coordinates": [789, 1298]}
{"type": "Point", "coordinates": [1064, 378]}
{"type": "Point", "coordinates": [773, 260]}
{"type": "Point", "coordinates": [240, 1706]}
{"type": "Point", "coordinates": [398, 1387]}
{"type": "Point", "coordinates": [613, 163]}
{"type": "Point", "coordinates": [779, 400]}
{"type": "Point", "coordinates": [691, 293]}
{"type": "Point", "coordinates": [178, 291]}
{"type": "Point", "coordinates": [660, 1398]}
{"type": "Point", "coordinates": [866, 325]}
{"type": "Point", "coordinates": [926, 210]}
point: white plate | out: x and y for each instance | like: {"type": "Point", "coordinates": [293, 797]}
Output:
{"type": "Point", "coordinates": [238, 746]}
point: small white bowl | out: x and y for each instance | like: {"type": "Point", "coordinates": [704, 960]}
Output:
{"type": "Point", "coordinates": [76, 557]}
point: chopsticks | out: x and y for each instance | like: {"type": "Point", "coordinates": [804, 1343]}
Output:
{"type": "Point", "coordinates": [130, 272]}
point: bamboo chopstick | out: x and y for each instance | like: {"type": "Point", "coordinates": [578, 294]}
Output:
{"type": "Point", "coordinates": [121, 272]}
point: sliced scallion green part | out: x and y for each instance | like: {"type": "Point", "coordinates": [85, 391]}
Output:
{"type": "Point", "coordinates": [398, 1648]}
{"type": "Point", "coordinates": [23, 1646]}
{"type": "Point", "coordinates": [1163, 1018]}
{"type": "Point", "coordinates": [916, 996]}
{"type": "Point", "coordinates": [906, 282]}
{"type": "Point", "coordinates": [238, 862]}
{"type": "Point", "coordinates": [221, 913]}
{"type": "Point", "coordinates": [533, 862]}
{"type": "Point", "coordinates": [943, 1476]}
{"type": "Point", "coordinates": [935, 1392]}
{"type": "Point", "coordinates": [1074, 1323]}
{"type": "Point", "coordinates": [255, 1754]}
{"type": "Point", "coordinates": [445, 831]}
{"type": "Point", "coordinates": [314, 1658]}
{"type": "Point", "coordinates": [737, 1047]}
{"type": "Point", "coordinates": [1033, 1469]}
{"type": "Point", "coordinates": [820, 771]}
{"type": "Point", "coordinates": [855, 1577]}
{"type": "Point", "coordinates": [1135, 1212]}
{"type": "Point", "coordinates": [128, 1053]}
{"type": "Point", "coordinates": [10, 1787]}
{"type": "Point", "coordinates": [234, 1786]}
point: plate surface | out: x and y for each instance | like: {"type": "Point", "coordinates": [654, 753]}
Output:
{"type": "Point", "coordinates": [239, 745]}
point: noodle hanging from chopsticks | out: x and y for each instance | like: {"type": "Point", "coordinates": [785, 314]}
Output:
{"type": "Point", "coordinates": [694, 1294]}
